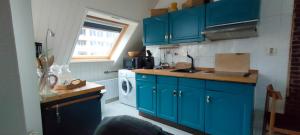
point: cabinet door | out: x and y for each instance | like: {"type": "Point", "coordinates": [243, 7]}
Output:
{"type": "Point", "coordinates": [156, 30]}
{"type": "Point", "coordinates": [191, 107]}
{"type": "Point", "coordinates": [146, 97]}
{"type": "Point", "coordinates": [231, 11]}
{"type": "Point", "coordinates": [167, 101]}
{"type": "Point", "coordinates": [227, 114]}
{"type": "Point", "coordinates": [186, 25]}
{"type": "Point", "coordinates": [79, 118]}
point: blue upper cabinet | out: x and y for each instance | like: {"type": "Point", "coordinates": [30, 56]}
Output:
{"type": "Point", "coordinates": [191, 105]}
{"type": "Point", "coordinates": [146, 93]}
{"type": "Point", "coordinates": [223, 12]}
{"type": "Point", "coordinates": [156, 30]}
{"type": "Point", "coordinates": [186, 25]}
{"type": "Point", "coordinates": [229, 108]}
{"type": "Point", "coordinates": [167, 98]}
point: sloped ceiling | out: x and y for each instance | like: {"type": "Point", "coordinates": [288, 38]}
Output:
{"type": "Point", "coordinates": [64, 17]}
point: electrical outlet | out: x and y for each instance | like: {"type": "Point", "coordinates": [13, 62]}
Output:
{"type": "Point", "coordinates": [271, 51]}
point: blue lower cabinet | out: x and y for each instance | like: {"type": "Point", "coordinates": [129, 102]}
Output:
{"type": "Point", "coordinates": [213, 107]}
{"type": "Point", "coordinates": [191, 107]}
{"type": "Point", "coordinates": [167, 102]}
{"type": "Point", "coordinates": [228, 114]}
{"type": "Point", "coordinates": [146, 97]}
{"type": "Point", "coordinates": [167, 98]}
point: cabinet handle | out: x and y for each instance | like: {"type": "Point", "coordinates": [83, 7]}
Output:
{"type": "Point", "coordinates": [58, 118]}
{"type": "Point", "coordinates": [154, 91]}
{"type": "Point", "coordinates": [144, 76]}
{"type": "Point", "coordinates": [216, 0]}
{"type": "Point", "coordinates": [174, 93]}
{"type": "Point", "coordinates": [208, 99]}
{"type": "Point", "coordinates": [166, 36]}
{"type": "Point", "coordinates": [180, 93]}
{"type": "Point", "coordinates": [170, 36]}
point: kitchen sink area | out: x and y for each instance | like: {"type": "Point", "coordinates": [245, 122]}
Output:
{"type": "Point", "coordinates": [187, 70]}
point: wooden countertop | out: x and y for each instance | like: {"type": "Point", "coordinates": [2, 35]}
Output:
{"type": "Point", "coordinates": [252, 79]}
{"type": "Point", "coordinates": [61, 94]}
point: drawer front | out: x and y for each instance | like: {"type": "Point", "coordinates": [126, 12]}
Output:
{"type": "Point", "coordinates": [167, 80]}
{"type": "Point", "coordinates": [194, 83]}
{"type": "Point", "coordinates": [145, 77]}
{"type": "Point", "coordinates": [229, 87]}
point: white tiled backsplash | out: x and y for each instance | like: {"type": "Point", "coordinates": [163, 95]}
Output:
{"type": "Point", "coordinates": [274, 32]}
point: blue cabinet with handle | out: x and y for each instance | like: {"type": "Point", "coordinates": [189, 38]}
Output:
{"type": "Point", "coordinates": [214, 107]}
{"type": "Point", "coordinates": [167, 98]}
{"type": "Point", "coordinates": [229, 108]}
{"type": "Point", "coordinates": [177, 27]}
{"type": "Point", "coordinates": [156, 30]}
{"type": "Point", "coordinates": [191, 105]}
{"type": "Point", "coordinates": [146, 93]}
{"type": "Point", "coordinates": [186, 25]}
{"type": "Point", "coordinates": [220, 12]}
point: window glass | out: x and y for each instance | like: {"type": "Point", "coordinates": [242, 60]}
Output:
{"type": "Point", "coordinates": [96, 40]}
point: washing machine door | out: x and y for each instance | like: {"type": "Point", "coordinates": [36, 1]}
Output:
{"type": "Point", "coordinates": [126, 86]}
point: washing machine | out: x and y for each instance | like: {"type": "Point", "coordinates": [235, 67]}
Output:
{"type": "Point", "coordinates": [127, 87]}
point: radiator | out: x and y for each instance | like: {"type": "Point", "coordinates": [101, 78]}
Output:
{"type": "Point", "coordinates": [112, 89]}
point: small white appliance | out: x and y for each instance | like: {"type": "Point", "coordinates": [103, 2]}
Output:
{"type": "Point", "coordinates": [127, 88]}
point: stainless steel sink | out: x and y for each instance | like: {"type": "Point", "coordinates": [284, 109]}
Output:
{"type": "Point", "coordinates": [208, 72]}
{"type": "Point", "coordinates": [187, 70]}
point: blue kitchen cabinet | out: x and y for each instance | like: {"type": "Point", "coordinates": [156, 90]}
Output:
{"type": "Point", "coordinates": [146, 93]}
{"type": "Point", "coordinates": [186, 25]}
{"type": "Point", "coordinates": [214, 107]}
{"type": "Point", "coordinates": [156, 30]}
{"type": "Point", "coordinates": [223, 12]}
{"type": "Point", "coordinates": [229, 108]}
{"type": "Point", "coordinates": [167, 98]}
{"type": "Point", "coordinates": [191, 104]}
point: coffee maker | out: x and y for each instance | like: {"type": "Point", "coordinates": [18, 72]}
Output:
{"type": "Point", "coordinates": [148, 61]}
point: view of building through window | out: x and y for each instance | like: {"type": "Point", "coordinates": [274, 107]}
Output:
{"type": "Point", "coordinates": [95, 42]}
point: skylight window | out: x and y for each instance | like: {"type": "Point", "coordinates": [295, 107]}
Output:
{"type": "Point", "coordinates": [98, 38]}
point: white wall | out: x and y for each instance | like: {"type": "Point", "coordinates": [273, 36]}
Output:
{"type": "Point", "coordinates": [12, 113]}
{"type": "Point", "coordinates": [23, 32]}
{"type": "Point", "coordinates": [274, 31]}
{"type": "Point", "coordinates": [64, 17]}
{"type": "Point", "coordinates": [19, 100]}
{"type": "Point", "coordinates": [94, 71]}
